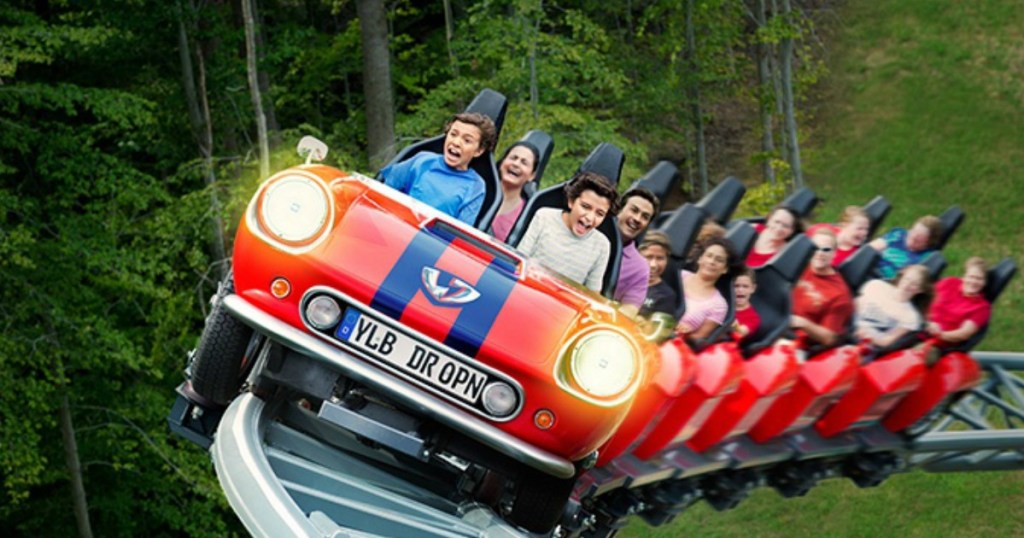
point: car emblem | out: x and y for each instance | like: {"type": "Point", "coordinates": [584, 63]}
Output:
{"type": "Point", "coordinates": [457, 292]}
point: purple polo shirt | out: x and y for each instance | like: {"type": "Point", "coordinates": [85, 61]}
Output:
{"type": "Point", "coordinates": [633, 273]}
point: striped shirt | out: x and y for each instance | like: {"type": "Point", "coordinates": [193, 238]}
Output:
{"type": "Point", "coordinates": [549, 241]}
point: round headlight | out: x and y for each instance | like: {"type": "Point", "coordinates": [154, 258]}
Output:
{"type": "Point", "coordinates": [603, 363]}
{"type": "Point", "coordinates": [294, 209]}
{"type": "Point", "coordinates": [323, 312]}
{"type": "Point", "coordinates": [499, 399]}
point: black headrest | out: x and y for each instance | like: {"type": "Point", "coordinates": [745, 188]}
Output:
{"type": "Point", "coordinates": [859, 267]}
{"type": "Point", "coordinates": [491, 104]}
{"type": "Point", "coordinates": [723, 200]}
{"type": "Point", "coordinates": [606, 159]}
{"type": "Point", "coordinates": [682, 226]}
{"type": "Point", "coordinates": [877, 209]}
{"type": "Point", "coordinates": [546, 146]}
{"type": "Point", "coordinates": [773, 298]}
{"type": "Point", "coordinates": [951, 220]}
{"type": "Point", "coordinates": [998, 277]}
{"type": "Point", "coordinates": [802, 201]}
{"type": "Point", "coordinates": [662, 180]}
{"type": "Point", "coordinates": [791, 261]}
{"type": "Point", "coordinates": [741, 234]}
{"type": "Point", "coordinates": [936, 264]}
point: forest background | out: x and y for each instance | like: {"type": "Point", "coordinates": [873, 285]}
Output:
{"type": "Point", "coordinates": [132, 133]}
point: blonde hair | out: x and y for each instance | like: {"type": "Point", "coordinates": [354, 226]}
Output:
{"type": "Point", "coordinates": [976, 261]}
{"type": "Point", "coordinates": [851, 212]}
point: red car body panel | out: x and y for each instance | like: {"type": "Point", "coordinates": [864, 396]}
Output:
{"type": "Point", "coordinates": [880, 385]}
{"type": "Point", "coordinates": [822, 381]}
{"type": "Point", "coordinates": [675, 373]}
{"type": "Point", "coordinates": [719, 371]}
{"type": "Point", "coordinates": [953, 373]}
{"type": "Point", "coordinates": [375, 232]}
{"type": "Point", "coordinates": [766, 375]}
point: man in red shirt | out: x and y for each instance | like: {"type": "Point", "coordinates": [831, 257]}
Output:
{"type": "Point", "coordinates": [822, 302]}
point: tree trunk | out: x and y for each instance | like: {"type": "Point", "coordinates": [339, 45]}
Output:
{"type": "Point", "coordinates": [775, 71]}
{"type": "Point", "coordinates": [786, 51]}
{"type": "Point", "coordinates": [273, 129]}
{"type": "Point", "coordinates": [698, 120]}
{"type": "Point", "coordinates": [78, 499]}
{"type": "Point", "coordinates": [534, 92]}
{"type": "Point", "coordinates": [248, 10]}
{"type": "Point", "coordinates": [199, 118]}
{"type": "Point", "coordinates": [765, 99]}
{"type": "Point", "coordinates": [380, 116]}
{"type": "Point", "coordinates": [449, 33]}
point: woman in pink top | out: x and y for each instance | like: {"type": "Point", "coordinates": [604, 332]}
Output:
{"type": "Point", "coordinates": [705, 306]}
{"type": "Point", "coordinates": [960, 308]}
{"type": "Point", "coordinates": [781, 224]}
{"type": "Point", "coordinates": [517, 168]}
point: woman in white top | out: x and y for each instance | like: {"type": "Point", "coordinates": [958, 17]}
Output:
{"type": "Point", "coordinates": [885, 312]}
{"type": "Point", "coordinates": [706, 308]}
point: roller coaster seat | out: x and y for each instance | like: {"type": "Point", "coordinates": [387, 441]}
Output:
{"type": "Point", "coordinates": [722, 201]}
{"type": "Point", "coordinates": [546, 146]}
{"type": "Point", "coordinates": [493, 105]}
{"type": "Point", "coordinates": [951, 219]}
{"type": "Point", "coordinates": [662, 180]}
{"type": "Point", "coordinates": [877, 209]}
{"type": "Point", "coordinates": [606, 159]}
{"type": "Point", "coordinates": [802, 202]}
{"type": "Point", "coordinates": [773, 297]}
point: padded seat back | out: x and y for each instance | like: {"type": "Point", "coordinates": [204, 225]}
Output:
{"type": "Point", "coordinates": [773, 297]}
{"type": "Point", "coordinates": [605, 159]}
{"type": "Point", "coordinates": [662, 180]}
{"type": "Point", "coordinates": [742, 236]}
{"type": "Point", "coordinates": [936, 264]}
{"type": "Point", "coordinates": [493, 105]}
{"type": "Point", "coordinates": [877, 209]}
{"type": "Point", "coordinates": [859, 267]}
{"type": "Point", "coordinates": [546, 146]}
{"type": "Point", "coordinates": [801, 202]}
{"type": "Point", "coordinates": [722, 201]}
{"type": "Point", "coordinates": [681, 227]}
{"type": "Point", "coordinates": [951, 219]}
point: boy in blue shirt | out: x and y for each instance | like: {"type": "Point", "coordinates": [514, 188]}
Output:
{"type": "Point", "coordinates": [445, 180]}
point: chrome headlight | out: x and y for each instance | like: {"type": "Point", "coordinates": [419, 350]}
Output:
{"type": "Point", "coordinates": [603, 363]}
{"type": "Point", "coordinates": [293, 209]}
{"type": "Point", "coordinates": [323, 312]}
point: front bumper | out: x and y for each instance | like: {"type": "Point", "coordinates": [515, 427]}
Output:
{"type": "Point", "coordinates": [399, 390]}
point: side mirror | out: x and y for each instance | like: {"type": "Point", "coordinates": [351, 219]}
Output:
{"type": "Point", "coordinates": [312, 149]}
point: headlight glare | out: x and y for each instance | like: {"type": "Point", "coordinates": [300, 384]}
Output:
{"type": "Point", "coordinates": [294, 209]}
{"type": "Point", "coordinates": [603, 363]}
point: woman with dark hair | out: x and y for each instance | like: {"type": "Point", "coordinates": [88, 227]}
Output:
{"type": "Point", "coordinates": [517, 168]}
{"type": "Point", "coordinates": [705, 306]}
{"type": "Point", "coordinates": [960, 308]}
{"type": "Point", "coordinates": [885, 312]}
{"type": "Point", "coordinates": [782, 224]}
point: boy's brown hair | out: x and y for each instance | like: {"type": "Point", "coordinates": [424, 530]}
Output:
{"type": "Point", "coordinates": [488, 132]}
{"type": "Point", "coordinates": [935, 229]}
{"type": "Point", "coordinates": [593, 181]}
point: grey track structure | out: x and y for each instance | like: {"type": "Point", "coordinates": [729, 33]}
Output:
{"type": "Point", "coordinates": [288, 471]}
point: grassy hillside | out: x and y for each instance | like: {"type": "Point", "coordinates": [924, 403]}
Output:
{"type": "Point", "coordinates": [925, 105]}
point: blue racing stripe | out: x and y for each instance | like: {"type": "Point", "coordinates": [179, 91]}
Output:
{"type": "Point", "coordinates": [477, 317]}
{"type": "Point", "coordinates": [402, 283]}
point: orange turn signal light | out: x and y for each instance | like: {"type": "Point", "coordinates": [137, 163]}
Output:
{"type": "Point", "coordinates": [544, 419]}
{"type": "Point", "coordinates": [280, 288]}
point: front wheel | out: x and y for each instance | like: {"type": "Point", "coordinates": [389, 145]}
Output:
{"type": "Point", "coordinates": [540, 501]}
{"type": "Point", "coordinates": [218, 364]}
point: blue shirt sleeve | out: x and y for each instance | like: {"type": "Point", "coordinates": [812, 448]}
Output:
{"type": "Point", "coordinates": [399, 175]}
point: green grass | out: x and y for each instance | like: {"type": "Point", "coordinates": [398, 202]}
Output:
{"type": "Point", "coordinates": [925, 105]}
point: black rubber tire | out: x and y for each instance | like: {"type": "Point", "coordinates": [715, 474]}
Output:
{"type": "Point", "coordinates": [219, 362]}
{"type": "Point", "coordinates": [540, 501]}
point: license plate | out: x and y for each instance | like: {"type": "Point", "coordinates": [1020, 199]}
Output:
{"type": "Point", "coordinates": [408, 355]}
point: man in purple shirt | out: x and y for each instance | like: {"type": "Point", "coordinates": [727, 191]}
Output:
{"type": "Point", "coordinates": [639, 206]}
